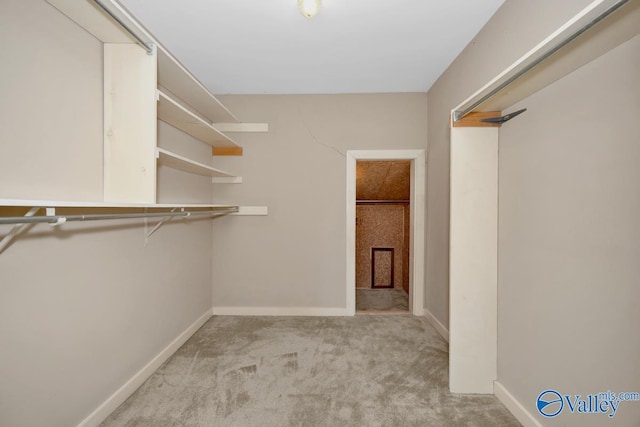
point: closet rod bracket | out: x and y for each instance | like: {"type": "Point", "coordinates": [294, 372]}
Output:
{"type": "Point", "coordinates": [158, 225]}
{"type": "Point", "coordinates": [59, 220]}
{"type": "Point", "coordinates": [16, 230]}
{"type": "Point", "coordinates": [505, 118]}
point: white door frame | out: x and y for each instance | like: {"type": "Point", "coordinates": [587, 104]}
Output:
{"type": "Point", "coordinates": [417, 225]}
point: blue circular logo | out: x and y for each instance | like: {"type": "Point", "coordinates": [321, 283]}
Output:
{"type": "Point", "coordinates": [550, 403]}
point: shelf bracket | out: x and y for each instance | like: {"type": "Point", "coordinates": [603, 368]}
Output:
{"type": "Point", "coordinates": [251, 211]}
{"type": "Point", "coordinates": [226, 151]}
{"type": "Point", "coordinates": [241, 127]}
{"type": "Point", "coordinates": [16, 230]}
{"type": "Point", "coordinates": [226, 180]}
{"type": "Point", "coordinates": [158, 225]}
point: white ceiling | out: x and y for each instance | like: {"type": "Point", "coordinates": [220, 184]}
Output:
{"type": "Point", "coordinates": [351, 46]}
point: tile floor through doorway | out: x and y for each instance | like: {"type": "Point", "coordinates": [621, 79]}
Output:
{"type": "Point", "coordinates": [382, 301]}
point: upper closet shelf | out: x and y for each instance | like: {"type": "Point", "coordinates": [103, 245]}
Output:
{"type": "Point", "coordinates": [176, 161]}
{"type": "Point", "coordinates": [172, 75]}
{"type": "Point", "coordinates": [170, 111]}
{"type": "Point", "coordinates": [179, 81]}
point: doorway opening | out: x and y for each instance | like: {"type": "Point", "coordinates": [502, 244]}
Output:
{"type": "Point", "coordinates": [383, 191]}
{"type": "Point", "coordinates": [382, 266]}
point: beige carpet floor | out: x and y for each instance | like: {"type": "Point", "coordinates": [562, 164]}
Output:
{"type": "Point", "coordinates": [309, 371]}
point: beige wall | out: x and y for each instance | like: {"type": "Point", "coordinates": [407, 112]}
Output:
{"type": "Point", "coordinates": [50, 109]}
{"type": "Point", "coordinates": [569, 240]}
{"type": "Point", "coordinates": [83, 306]}
{"type": "Point", "coordinates": [295, 257]}
{"type": "Point", "coordinates": [515, 28]}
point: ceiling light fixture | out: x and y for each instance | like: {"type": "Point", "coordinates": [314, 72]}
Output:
{"type": "Point", "coordinates": [309, 8]}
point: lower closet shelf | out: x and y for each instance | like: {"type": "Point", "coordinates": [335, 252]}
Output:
{"type": "Point", "coordinates": [176, 161]}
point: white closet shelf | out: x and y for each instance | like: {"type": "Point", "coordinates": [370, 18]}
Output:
{"type": "Point", "coordinates": [179, 81]}
{"type": "Point", "coordinates": [176, 161]}
{"type": "Point", "coordinates": [76, 204]}
{"type": "Point", "coordinates": [171, 112]}
{"type": "Point", "coordinates": [171, 73]}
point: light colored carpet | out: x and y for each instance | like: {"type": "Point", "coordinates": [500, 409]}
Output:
{"type": "Point", "coordinates": [308, 371]}
{"type": "Point", "coordinates": [377, 300]}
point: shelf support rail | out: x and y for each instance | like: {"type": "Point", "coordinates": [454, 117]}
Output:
{"type": "Point", "coordinates": [149, 47]}
{"type": "Point", "coordinates": [16, 230]}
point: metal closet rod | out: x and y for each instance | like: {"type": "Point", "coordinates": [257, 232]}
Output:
{"type": "Point", "coordinates": [458, 115]}
{"type": "Point", "coordinates": [60, 219]}
{"type": "Point", "coordinates": [149, 47]}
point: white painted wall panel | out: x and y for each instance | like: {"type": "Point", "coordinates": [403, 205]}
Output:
{"type": "Point", "coordinates": [129, 124]}
{"type": "Point", "coordinates": [473, 259]}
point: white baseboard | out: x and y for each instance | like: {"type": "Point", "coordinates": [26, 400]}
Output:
{"type": "Point", "coordinates": [418, 311]}
{"type": "Point", "coordinates": [444, 332]}
{"type": "Point", "coordinates": [516, 408]}
{"type": "Point", "coordinates": [117, 398]}
{"type": "Point", "coordinates": [279, 311]}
